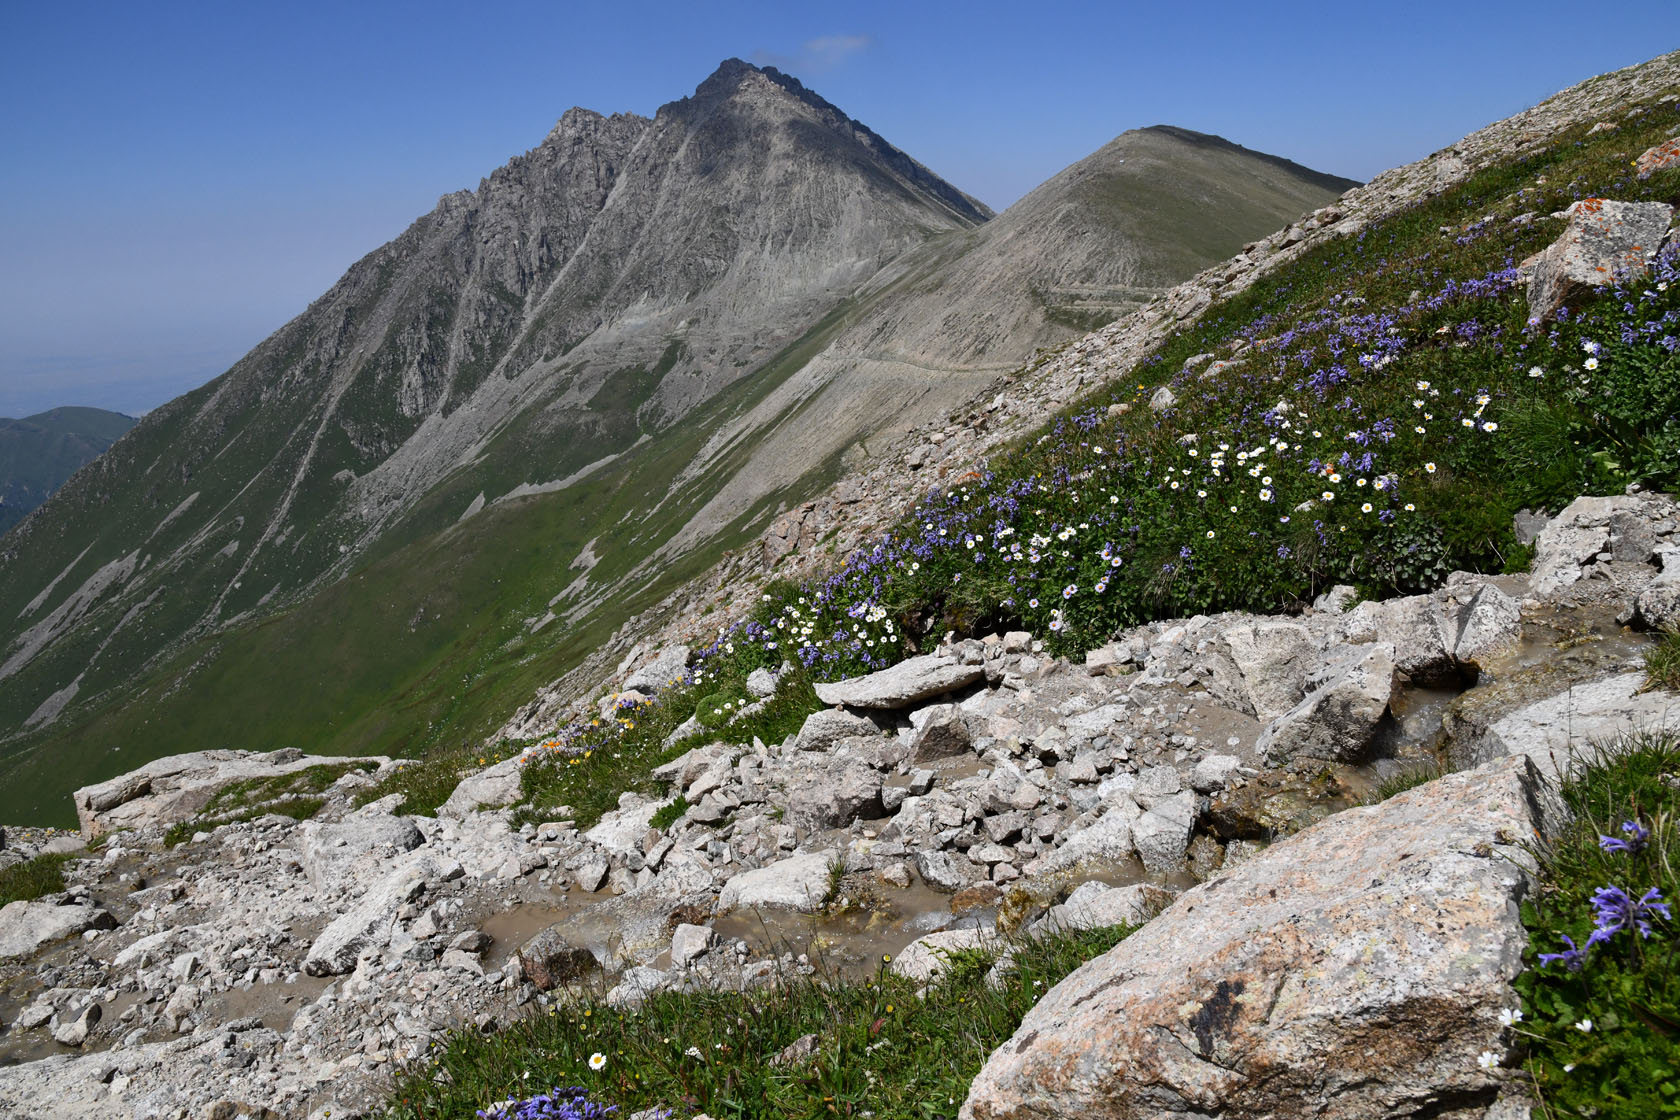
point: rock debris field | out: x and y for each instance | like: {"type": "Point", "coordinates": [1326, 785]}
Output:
{"type": "Point", "coordinates": [1202, 769]}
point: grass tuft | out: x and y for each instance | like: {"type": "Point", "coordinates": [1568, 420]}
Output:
{"type": "Point", "coordinates": [23, 882]}
{"type": "Point", "coordinates": [1662, 662]}
{"type": "Point", "coordinates": [668, 814]}
{"type": "Point", "coordinates": [1410, 778]}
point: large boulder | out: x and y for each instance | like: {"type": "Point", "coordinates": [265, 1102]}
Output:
{"type": "Point", "coordinates": [1574, 538]}
{"type": "Point", "coordinates": [1606, 242]}
{"type": "Point", "coordinates": [663, 671]}
{"type": "Point", "coordinates": [1265, 666]}
{"type": "Point", "coordinates": [1104, 842]}
{"type": "Point", "coordinates": [902, 685]}
{"type": "Point", "coordinates": [821, 730]}
{"type": "Point", "coordinates": [1337, 721]}
{"type": "Point", "coordinates": [491, 788]}
{"type": "Point", "coordinates": [622, 830]}
{"type": "Point", "coordinates": [1658, 605]}
{"type": "Point", "coordinates": [1439, 639]}
{"type": "Point", "coordinates": [330, 852]}
{"type": "Point", "coordinates": [549, 960]}
{"type": "Point", "coordinates": [1161, 833]}
{"type": "Point", "coordinates": [1356, 969]}
{"type": "Point", "coordinates": [832, 796]}
{"type": "Point", "coordinates": [1095, 905]}
{"type": "Point", "coordinates": [798, 883]}
{"type": "Point", "coordinates": [941, 731]}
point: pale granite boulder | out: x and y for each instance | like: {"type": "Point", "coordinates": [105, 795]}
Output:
{"type": "Point", "coordinates": [1353, 970]}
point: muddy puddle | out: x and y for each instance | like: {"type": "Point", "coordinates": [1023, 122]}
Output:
{"type": "Point", "coordinates": [870, 923]}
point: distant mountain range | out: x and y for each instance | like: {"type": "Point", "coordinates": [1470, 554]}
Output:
{"type": "Point", "coordinates": [545, 405]}
{"type": "Point", "coordinates": [38, 453]}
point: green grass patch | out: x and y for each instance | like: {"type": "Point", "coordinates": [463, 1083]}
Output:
{"type": "Point", "coordinates": [1601, 1026]}
{"type": "Point", "coordinates": [878, 1048]}
{"type": "Point", "coordinates": [255, 791]}
{"type": "Point", "coordinates": [586, 768]}
{"type": "Point", "coordinates": [426, 783]}
{"type": "Point", "coordinates": [1411, 777]}
{"type": "Point", "coordinates": [33, 878]}
{"type": "Point", "coordinates": [1662, 662]}
{"type": "Point", "coordinates": [668, 814]}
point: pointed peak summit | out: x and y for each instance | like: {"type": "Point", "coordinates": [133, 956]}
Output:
{"type": "Point", "coordinates": [733, 75]}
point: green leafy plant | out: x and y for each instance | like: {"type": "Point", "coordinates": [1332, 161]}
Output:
{"type": "Point", "coordinates": [668, 814]}
{"type": "Point", "coordinates": [719, 708]}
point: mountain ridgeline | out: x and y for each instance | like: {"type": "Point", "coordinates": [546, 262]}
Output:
{"type": "Point", "coordinates": [546, 404]}
{"type": "Point", "coordinates": [38, 453]}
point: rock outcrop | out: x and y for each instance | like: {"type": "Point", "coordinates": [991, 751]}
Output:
{"type": "Point", "coordinates": [173, 789]}
{"type": "Point", "coordinates": [1354, 970]}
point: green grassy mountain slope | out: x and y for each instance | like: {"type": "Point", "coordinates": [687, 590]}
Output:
{"type": "Point", "coordinates": [38, 453]}
{"type": "Point", "coordinates": [540, 410]}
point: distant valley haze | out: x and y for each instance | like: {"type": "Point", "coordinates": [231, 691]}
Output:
{"type": "Point", "coordinates": [182, 180]}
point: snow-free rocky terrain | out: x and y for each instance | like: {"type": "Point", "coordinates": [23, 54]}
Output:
{"type": "Point", "coordinates": [268, 964]}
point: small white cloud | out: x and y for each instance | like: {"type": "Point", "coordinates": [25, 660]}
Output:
{"type": "Point", "coordinates": [816, 56]}
{"type": "Point", "coordinates": [832, 50]}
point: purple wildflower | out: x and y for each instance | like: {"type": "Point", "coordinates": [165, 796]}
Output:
{"type": "Point", "coordinates": [1615, 910]}
{"type": "Point", "coordinates": [557, 1104]}
{"type": "Point", "coordinates": [1571, 958]}
{"type": "Point", "coordinates": [1638, 837]}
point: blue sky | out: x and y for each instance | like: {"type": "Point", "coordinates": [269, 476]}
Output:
{"type": "Point", "coordinates": [179, 179]}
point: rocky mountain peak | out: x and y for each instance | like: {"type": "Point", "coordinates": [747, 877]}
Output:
{"type": "Point", "coordinates": [740, 91]}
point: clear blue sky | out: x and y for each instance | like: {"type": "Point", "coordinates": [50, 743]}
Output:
{"type": "Point", "coordinates": [179, 179]}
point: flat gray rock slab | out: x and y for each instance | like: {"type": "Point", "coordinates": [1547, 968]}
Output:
{"type": "Point", "coordinates": [1559, 731]}
{"type": "Point", "coordinates": [167, 790]}
{"type": "Point", "coordinates": [26, 926]}
{"type": "Point", "coordinates": [904, 684]}
{"type": "Point", "coordinates": [1311, 980]}
{"type": "Point", "coordinates": [328, 852]}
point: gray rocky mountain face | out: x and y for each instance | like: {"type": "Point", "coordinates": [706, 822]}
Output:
{"type": "Point", "coordinates": [552, 399]}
